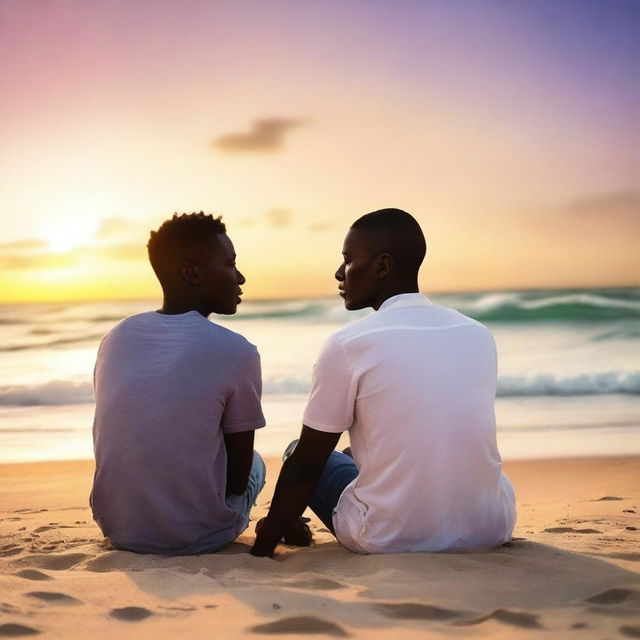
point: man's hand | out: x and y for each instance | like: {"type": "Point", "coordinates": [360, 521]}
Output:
{"type": "Point", "coordinates": [297, 534]}
{"type": "Point", "coordinates": [294, 490]}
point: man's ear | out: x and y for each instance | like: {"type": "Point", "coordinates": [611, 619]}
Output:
{"type": "Point", "coordinates": [190, 273]}
{"type": "Point", "coordinates": [384, 264]}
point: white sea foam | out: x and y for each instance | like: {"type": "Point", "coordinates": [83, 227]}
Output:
{"type": "Point", "coordinates": [56, 392]}
{"type": "Point", "coordinates": [584, 384]}
{"type": "Point", "coordinates": [64, 392]}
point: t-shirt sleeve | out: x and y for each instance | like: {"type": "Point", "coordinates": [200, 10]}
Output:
{"type": "Point", "coordinates": [331, 404]}
{"type": "Point", "coordinates": [243, 410]}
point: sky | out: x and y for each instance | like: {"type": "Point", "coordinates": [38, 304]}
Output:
{"type": "Point", "coordinates": [510, 130]}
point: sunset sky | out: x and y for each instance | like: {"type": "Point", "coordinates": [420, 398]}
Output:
{"type": "Point", "coordinates": [509, 129]}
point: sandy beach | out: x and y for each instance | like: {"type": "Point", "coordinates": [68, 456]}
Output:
{"type": "Point", "coordinates": [571, 571]}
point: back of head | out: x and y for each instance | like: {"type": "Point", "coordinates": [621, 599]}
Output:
{"type": "Point", "coordinates": [396, 232]}
{"type": "Point", "coordinates": [186, 237]}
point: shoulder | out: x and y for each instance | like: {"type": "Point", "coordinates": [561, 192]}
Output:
{"type": "Point", "coordinates": [352, 330]}
{"type": "Point", "coordinates": [127, 325]}
{"type": "Point", "coordinates": [451, 318]}
{"type": "Point", "coordinates": [232, 341]}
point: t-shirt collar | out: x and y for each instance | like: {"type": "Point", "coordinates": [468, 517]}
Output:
{"type": "Point", "coordinates": [405, 300]}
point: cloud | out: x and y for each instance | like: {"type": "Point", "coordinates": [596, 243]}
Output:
{"type": "Point", "coordinates": [620, 204]}
{"type": "Point", "coordinates": [120, 228]}
{"type": "Point", "coordinates": [40, 258]}
{"type": "Point", "coordinates": [320, 226]}
{"type": "Point", "coordinates": [125, 251]}
{"type": "Point", "coordinates": [36, 261]}
{"type": "Point", "coordinates": [23, 245]}
{"type": "Point", "coordinates": [279, 217]}
{"type": "Point", "coordinates": [265, 136]}
{"type": "Point", "coordinates": [25, 254]}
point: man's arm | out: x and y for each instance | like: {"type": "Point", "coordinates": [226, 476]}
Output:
{"type": "Point", "coordinates": [239, 458]}
{"type": "Point", "coordinates": [294, 490]}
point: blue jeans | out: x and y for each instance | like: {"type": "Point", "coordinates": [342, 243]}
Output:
{"type": "Point", "coordinates": [242, 504]}
{"type": "Point", "coordinates": [339, 471]}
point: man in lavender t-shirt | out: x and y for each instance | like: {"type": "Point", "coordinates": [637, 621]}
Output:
{"type": "Point", "coordinates": [177, 404]}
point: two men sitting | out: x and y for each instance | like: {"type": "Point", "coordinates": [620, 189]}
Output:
{"type": "Point", "coordinates": [178, 401]}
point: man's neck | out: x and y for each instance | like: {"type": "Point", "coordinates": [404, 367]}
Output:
{"type": "Point", "coordinates": [175, 307]}
{"type": "Point", "coordinates": [395, 291]}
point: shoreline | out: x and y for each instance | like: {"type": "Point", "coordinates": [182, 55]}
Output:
{"type": "Point", "coordinates": [572, 569]}
{"type": "Point", "coordinates": [275, 460]}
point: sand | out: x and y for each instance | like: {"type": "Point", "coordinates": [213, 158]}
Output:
{"type": "Point", "coordinates": [571, 571]}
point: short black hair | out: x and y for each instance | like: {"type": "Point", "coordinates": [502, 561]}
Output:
{"type": "Point", "coordinates": [177, 236]}
{"type": "Point", "coordinates": [396, 232]}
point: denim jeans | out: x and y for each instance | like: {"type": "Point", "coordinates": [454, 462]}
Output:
{"type": "Point", "coordinates": [338, 472]}
{"type": "Point", "coordinates": [242, 504]}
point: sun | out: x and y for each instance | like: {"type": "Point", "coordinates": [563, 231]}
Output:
{"type": "Point", "coordinates": [69, 238]}
{"type": "Point", "coordinates": [72, 228]}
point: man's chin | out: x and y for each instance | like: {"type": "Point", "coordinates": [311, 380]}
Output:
{"type": "Point", "coordinates": [226, 311]}
{"type": "Point", "coordinates": [353, 305]}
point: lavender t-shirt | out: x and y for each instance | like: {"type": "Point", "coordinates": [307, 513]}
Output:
{"type": "Point", "coordinates": [168, 387]}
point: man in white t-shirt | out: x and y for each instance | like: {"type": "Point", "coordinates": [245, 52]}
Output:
{"type": "Point", "coordinates": [177, 404]}
{"type": "Point", "coordinates": [414, 385]}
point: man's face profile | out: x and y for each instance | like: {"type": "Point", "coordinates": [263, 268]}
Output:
{"type": "Point", "coordinates": [220, 280]}
{"type": "Point", "coordinates": [356, 275]}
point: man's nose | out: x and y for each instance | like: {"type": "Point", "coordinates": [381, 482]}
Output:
{"type": "Point", "coordinates": [240, 277]}
{"type": "Point", "coordinates": [339, 274]}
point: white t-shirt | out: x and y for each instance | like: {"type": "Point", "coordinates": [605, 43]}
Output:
{"type": "Point", "coordinates": [168, 387]}
{"type": "Point", "coordinates": [414, 384]}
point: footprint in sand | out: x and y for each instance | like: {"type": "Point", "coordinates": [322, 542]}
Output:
{"type": "Point", "coordinates": [569, 530]}
{"type": "Point", "coordinates": [55, 562]}
{"type": "Point", "coordinates": [10, 550]}
{"type": "Point", "coordinates": [32, 574]}
{"type": "Point", "coordinates": [615, 596]}
{"type": "Point", "coordinates": [11, 630]}
{"type": "Point", "coordinates": [130, 614]}
{"type": "Point", "coordinates": [53, 596]}
{"type": "Point", "coordinates": [7, 607]}
{"type": "Point", "coordinates": [514, 618]}
{"type": "Point", "coordinates": [317, 584]}
{"type": "Point", "coordinates": [52, 525]}
{"type": "Point", "coordinates": [300, 625]}
{"type": "Point", "coordinates": [629, 631]}
{"type": "Point", "coordinates": [632, 557]}
{"type": "Point", "coordinates": [607, 498]}
{"type": "Point", "coordinates": [415, 611]}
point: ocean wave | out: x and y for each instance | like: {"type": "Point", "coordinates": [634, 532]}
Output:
{"type": "Point", "coordinates": [56, 392]}
{"type": "Point", "coordinates": [63, 392]}
{"type": "Point", "coordinates": [64, 341]}
{"type": "Point", "coordinates": [596, 305]}
{"type": "Point", "coordinates": [567, 307]}
{"type": "Point", "coordinates": [585, 384]}
{"type": "Point", "coordinates": [542, 384]}
{"type": "Point", "coordinates": [281, 310]}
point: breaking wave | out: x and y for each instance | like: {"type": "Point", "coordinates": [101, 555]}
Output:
{"type": "Point", "coordinates": [63, 392]}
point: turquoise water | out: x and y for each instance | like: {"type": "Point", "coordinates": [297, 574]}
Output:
{"type": "Point", "coordinates": [569, 369]}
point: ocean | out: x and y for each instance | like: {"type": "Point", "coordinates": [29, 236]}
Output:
{"type": "Point", "coordinates": [569, 369]}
